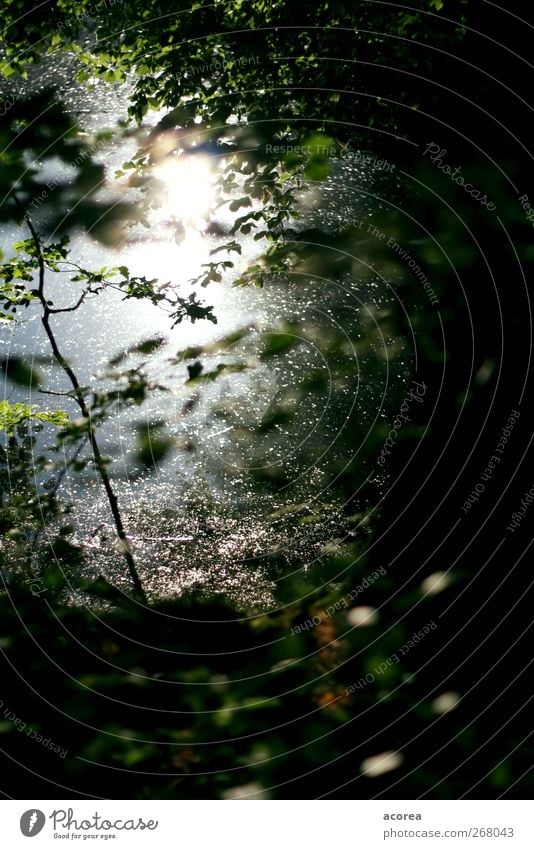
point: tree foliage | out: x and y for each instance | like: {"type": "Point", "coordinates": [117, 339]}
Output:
{"type": "Point", "coordinates": [277, 92]}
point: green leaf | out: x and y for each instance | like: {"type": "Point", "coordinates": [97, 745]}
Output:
{"type": "Point", "coordinates": [59, 418]}
{"type": "Point", "coordinates": [278, 418]}
{"type": "Point", "coordinates": [20, 372]}
{"type": "Point", "coordinates": [195, 370]}
{"type": "Point", "coordinates": [148, 346]}
{"type": "Point", "coordinates": [277, 343]}
{"type": "Point", "coordinates": [240, 202]}
{"type": "Point", "coordinates": [12, 415]}
{"type": "Point", "coordinates": [317, 170]}
{"type": "Point", "coordinates": [208, 376]}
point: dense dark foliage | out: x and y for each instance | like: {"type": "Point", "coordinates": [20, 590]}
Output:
{"type": "Point", "coordinates": [188, 697]}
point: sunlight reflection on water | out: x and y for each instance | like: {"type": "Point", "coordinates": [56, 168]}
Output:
{"type": "Point", "coordinates": [200, 519]}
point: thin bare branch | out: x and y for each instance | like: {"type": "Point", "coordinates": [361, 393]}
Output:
{"type": "Point", "coordinates": [79, 398]}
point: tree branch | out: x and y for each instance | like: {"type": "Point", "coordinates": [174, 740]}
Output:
{"type": "Point", "coordinates": [85, 411]}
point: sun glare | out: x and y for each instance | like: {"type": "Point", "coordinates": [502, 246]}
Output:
{"type": "Point", "coordinates": [188, 182]}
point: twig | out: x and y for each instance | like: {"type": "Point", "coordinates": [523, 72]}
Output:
{"type": "Point", "coordinates": [80, 301]}
{"type": "Point", "coordinates": [59, 394]}
{"type": "Point", "coordinates": [79, 398]}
